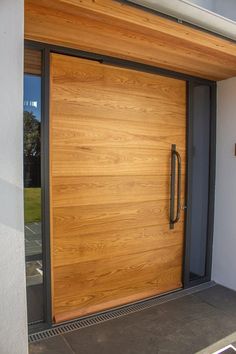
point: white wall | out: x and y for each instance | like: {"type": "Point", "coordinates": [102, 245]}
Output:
{"type": "Point", "coordinates": [13, 329]}
{"type": "Point", "coordinates": [224, 244]}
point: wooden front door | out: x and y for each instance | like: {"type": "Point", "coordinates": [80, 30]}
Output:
{"type": "Point", "coordinates": [111, 131]}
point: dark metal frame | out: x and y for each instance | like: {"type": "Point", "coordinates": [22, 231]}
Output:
{"type": "Point", "coordinates": [211, 185]}
{"type": "Point", "coordinates": [191, 81]}
{"type": "Point", "coordinates": [45, 199]}
{"type": "Point", "coordinates": [45, 178]}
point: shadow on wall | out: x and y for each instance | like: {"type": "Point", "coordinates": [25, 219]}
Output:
{"type": "Point", "coordinates": [12, 199]}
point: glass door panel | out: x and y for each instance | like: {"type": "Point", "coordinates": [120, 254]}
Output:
{"type": "Point", "coordinates": [32, 185]}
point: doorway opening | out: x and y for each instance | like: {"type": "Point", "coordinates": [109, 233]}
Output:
{"type": "Point", "coordinates": [206, 171]}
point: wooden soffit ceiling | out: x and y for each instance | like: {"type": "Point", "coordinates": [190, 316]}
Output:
{"type": "Point", "coordinates": [114, 28]}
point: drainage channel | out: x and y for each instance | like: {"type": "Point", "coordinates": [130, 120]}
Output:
{"type": "Point", "coordinates": [115, 313]}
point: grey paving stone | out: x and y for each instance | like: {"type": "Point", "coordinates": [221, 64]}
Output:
{"type": "Point", "coordinates": [55, 345]}
{"type": "Point", "coordinates": [184, 326]}
{"type": "Point", "coordinates": [219, 297]}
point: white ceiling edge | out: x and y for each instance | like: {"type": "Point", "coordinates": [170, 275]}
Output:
{"type": "Point", "coordinates": [193, 14]}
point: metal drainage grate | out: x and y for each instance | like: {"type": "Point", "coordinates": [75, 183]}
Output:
{"type": "Point", "coordinates": [115, 313]}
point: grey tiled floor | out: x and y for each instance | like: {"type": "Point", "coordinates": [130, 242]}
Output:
{"type": "Point", "coordinates": [186, 325]}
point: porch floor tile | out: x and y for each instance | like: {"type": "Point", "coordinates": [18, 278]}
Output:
{"type": "Point", "coordinates": [185, 325]}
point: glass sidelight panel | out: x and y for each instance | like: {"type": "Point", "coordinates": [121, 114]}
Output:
{"type": "Point", "coordinates": [200, 180]}
{"type": "Point", "coordinates": [32, 184]}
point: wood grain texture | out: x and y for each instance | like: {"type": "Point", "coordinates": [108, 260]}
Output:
{"type": "Point", "coordinates": [130, 277]}
{"type": "Point", "coordinates": [115, 132]}
{"type": "Point", "coordinates": [109, 217]}
{"type": "Point", "coordinates": [103, 161]}
{"type": "Point", "coordinates": [112, 28]}
{"type": "Point", "coordinates": [98, 245]}
{"type": "Point", "coordinates": [89, 190]}
{"type": "Point", "coordinates": [111, 131]}
{"type": "Point", "coordinates": [32, 61]}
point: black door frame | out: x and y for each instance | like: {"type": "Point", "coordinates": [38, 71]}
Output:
{"type": "Point", "coordinates": [45, 177]}
{"type": "Point", "coordinates": [211, 185]}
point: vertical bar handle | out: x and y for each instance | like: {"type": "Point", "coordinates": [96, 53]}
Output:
{"type": "Point", "coordinates": [175, 218]}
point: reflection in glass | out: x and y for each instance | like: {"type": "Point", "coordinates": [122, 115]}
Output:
{"type": "Point", "coordinates": [34, 272]}
{"type": "Point", "coordinates": [32, 196]}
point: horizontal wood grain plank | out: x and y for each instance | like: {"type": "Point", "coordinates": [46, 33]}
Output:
{"type": "Point", "coordinates": [100, 161]}
{"type": "Point", "coordinates": [102, 244]}
{"type": "Point", "coordinates": [127, 15]}
{"type": "Point", "coordinates": [93, 190]}
{"type": "Point", "coordinates": [114, 80]}
{"type": "Point", "coordinates": [145, 21]}
{"type": "Point", "coordinates": [88, 131]}
{"type": "Point", "coordinates": [121, 110]}
{"type": "Point", "coordinates": [80, 93]}
{"type": "Point", "coordinates": [88, 219]}
{"type": "Point", "coordinates": [109, 28]}
{"type": "Point", "coordinates": [91, 35]}
{"type": "Point", "coordinates": [129, 277]}
{"type": "Point", "coordinates": [167, 282]}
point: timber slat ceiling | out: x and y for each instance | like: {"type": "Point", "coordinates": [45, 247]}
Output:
{"type": "Point", "coordinates": [117, 29]}
{"type": "Point", "coordinates": [32, 62]}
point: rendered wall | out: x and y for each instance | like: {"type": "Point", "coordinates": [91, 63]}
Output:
{"type": "Point", "coordinates": [224, 244]}
{"type": "Point", "coordinates": [13, 328]}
